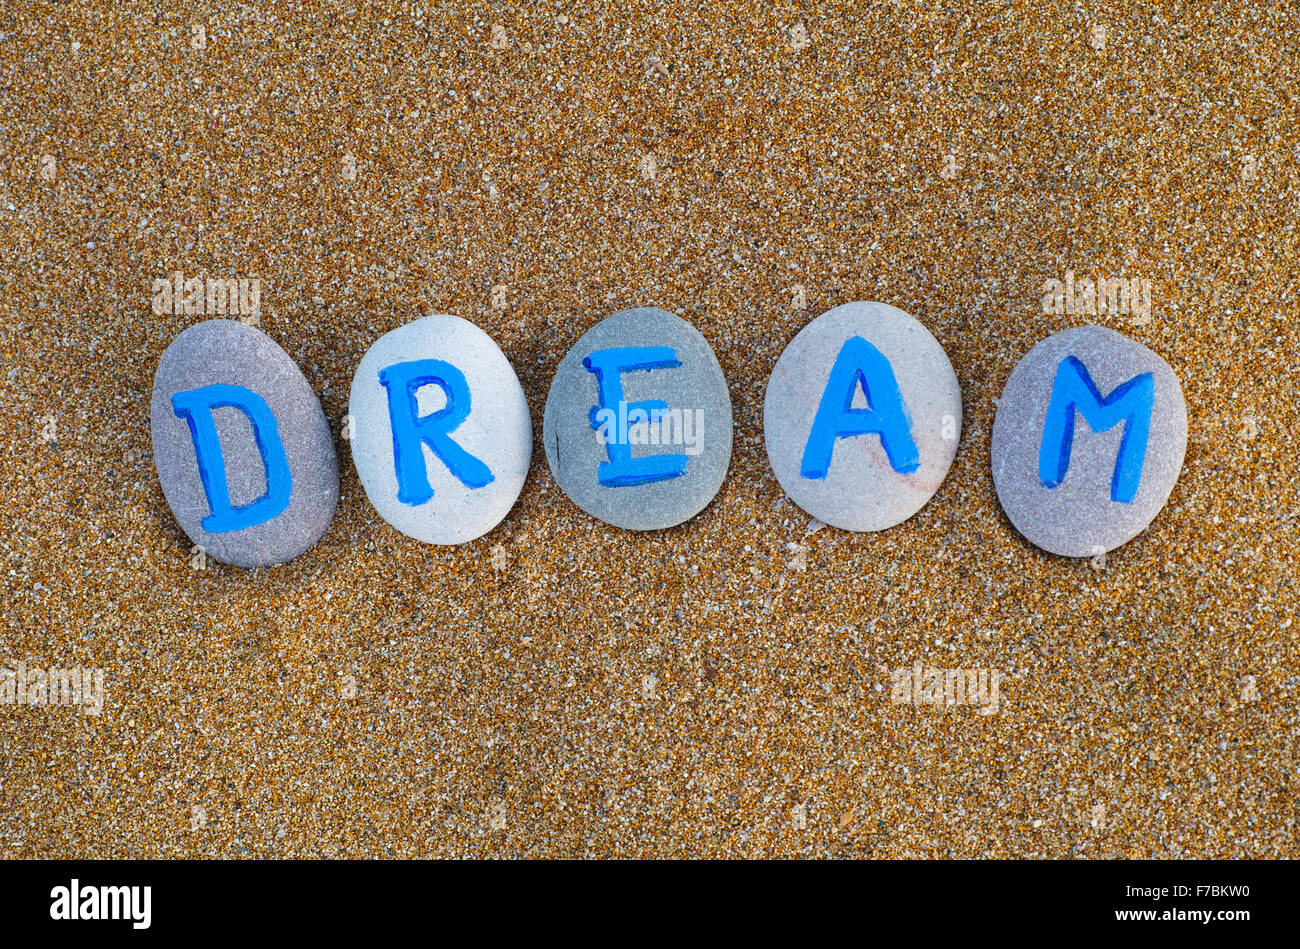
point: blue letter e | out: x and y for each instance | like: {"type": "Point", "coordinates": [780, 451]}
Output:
{"type": "Point", "coordinates": [196, 408]}
{"type": "Point", "coordinates": [860, 364]}
{"type": "Point", "coordinates": [403, 381]}
{"type": "Point", "coordinates": [608, 365]}
{"type": "Point", "coordinates": [1129, 403]}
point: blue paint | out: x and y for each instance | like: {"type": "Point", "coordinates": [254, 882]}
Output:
{"type": "Point", "coordinates": [402, 381]}
{"type": "Point", "coordinates": [860, 364]}
{"type": "Point", "coordinates": [195, 406]}
{"type": "Point", "coordinates": [1130, 403]}
{"type": "Point", "coordinates": [608, 365]}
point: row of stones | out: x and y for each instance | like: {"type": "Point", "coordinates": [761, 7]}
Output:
{"type": "Point", "coordinates": [861, 418]}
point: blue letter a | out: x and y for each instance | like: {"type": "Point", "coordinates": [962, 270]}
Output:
{"type": "Point", "coordinates": [1129, 403]}
{"type": "Point", "coordinates": [860, 364]}
{"type": "Point", "coordinates": [403, 381]}
{"type": "Point", "coordinates": [196, 408]}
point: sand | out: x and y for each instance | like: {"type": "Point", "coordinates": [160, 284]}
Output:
{"type": "Point", "coordinates": [563, 688]}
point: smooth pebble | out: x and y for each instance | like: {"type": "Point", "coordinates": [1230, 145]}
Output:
{"type": "Point", "coordinates": [440, 431]}
{"type": "Point", "coordinates": [638, 423]}
{"type": "Point", "coordinates": [862, 417]}
{"type": "Point", "coordinates": [1099, 473]}
{"type": "Point", "coordinates": [265, 485]}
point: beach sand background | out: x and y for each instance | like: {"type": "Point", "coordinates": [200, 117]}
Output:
{"type": "Point", "coordinates": [722, 688]}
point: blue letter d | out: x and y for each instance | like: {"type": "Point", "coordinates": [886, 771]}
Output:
{"type": "Point", "coordinates": [196, 408]}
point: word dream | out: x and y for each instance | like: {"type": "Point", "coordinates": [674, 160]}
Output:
{"type": "Point", "coordinates": [863, 398]}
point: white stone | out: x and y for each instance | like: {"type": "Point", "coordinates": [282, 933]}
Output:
{"type": "Point", "coordinates": [861, 489]}
{"type": "Point", "coordinates": [497, 432]}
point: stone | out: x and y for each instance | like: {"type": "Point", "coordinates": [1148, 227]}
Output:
{"type": "Point", "coordinates": [637, 425]}
{"type": "Point", "coordinates": [862, 417]}
{"type": "Point", "coordinates": [1088, 441]}
{"type": "Point", "coordinates": [440, 431]}
{"type": "Point", "coordinates": [242, 448]}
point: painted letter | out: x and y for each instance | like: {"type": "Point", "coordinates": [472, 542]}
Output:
{"type": "Point", "coordinates": [196, 408]}
{"type": "Point", "coordinates": [608, 365]}
{"type": "Point", "coordinates": [403, 381]}
{"type": "Point", "coordinates": [860, 364]}
{"type": "Point", "coordinates": [1129, 403]}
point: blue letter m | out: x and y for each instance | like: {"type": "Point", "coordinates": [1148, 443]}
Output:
{"type": "Point", "coordinates": [1129, 403]}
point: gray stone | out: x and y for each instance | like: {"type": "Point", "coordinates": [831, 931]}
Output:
{"type": "Point", "coordinates": [228, 353]}
{"type": "Point", "coordinates": [641, 474]}
{"type": "Point", "coordinates": [867, 481]}
{"type": "Point", "coordinates": [466, 500]}
{"type": "Point", "coordinates": [1087, 512]}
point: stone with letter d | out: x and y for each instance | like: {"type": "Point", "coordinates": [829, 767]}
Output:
{"type": "Point", "coordinates": [243, 451]}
